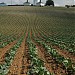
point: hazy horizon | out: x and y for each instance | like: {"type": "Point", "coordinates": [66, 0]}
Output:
{"type": "Point", "coordinates": [56, 2]}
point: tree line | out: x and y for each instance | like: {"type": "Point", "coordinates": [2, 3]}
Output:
{"type": "Point", "coordinates": [49, 3]}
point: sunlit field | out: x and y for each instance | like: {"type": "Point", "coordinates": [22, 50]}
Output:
{"type": "Point", "coordinates": [37, 40]}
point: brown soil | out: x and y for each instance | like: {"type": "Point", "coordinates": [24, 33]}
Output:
{"type": "Point", "coordinates": [19, 64]}
{"type": "Point", "coordinates": [65, 53]}
{"type": "Point", "coordinates": [4, 50]}
{"type": "Point", "coordinates": [41, 55]}
{"type": "Point", "coordinates": [50, 63]}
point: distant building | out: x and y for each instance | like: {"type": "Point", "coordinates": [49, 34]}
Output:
{"type": "Point", "coordinates": [35, 2]}
{"type": "Point", "coordinates": [40, 4]}
{"type": "Point", "coordinates": [2, 4]}
{"type": "Point", "coordinates": [27, 3]}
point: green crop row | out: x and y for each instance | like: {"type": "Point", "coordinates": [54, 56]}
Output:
{"type": "Point", "coordinates": [60, 43]}
{"type": "Point", "coordinates": [3, 43]}
{"type": "Point", "coordinates": [9, 56]}
{"type": "Point", "coordinates": [69, 66]}
{"type": "Point", "coordinates": [6, 39]}
{"type": "Point", "coordinates": [37, 65]}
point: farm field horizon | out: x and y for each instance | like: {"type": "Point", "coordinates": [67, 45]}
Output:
{"type": "Point", "coordinates": [37, 40]}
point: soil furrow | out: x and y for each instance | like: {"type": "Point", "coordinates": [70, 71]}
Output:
{"type": "Point", "coordinates": [25, 61]}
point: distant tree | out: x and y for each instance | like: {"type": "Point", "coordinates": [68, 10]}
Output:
{"type": "Point", "coordinates": [67, 6]}
{"type": "Point", "coordinates": [73, 5]}
{"type": "Point", "coordinates": [49, 2]}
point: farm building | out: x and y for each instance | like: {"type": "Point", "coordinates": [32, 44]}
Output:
{"type": "Point", "coordinates": [2, 4]}
{"type": "Point", "coordinates": [35, 2]}
{"type": "Point", "coordinates": [40, 4]}
{"type": "Point", "coordinates": [27, 3]}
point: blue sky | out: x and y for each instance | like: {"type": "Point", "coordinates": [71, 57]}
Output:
{"type": "Point", "coordinates": [57, 2]}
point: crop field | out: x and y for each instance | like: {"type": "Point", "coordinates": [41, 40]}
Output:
{"type": "Point", "coordinates": [37, 40]}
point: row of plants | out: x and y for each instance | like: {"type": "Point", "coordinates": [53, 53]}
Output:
{"type": "Point", "coordinates": [69, 46]}
{"type": "Point", "coordinates": [9, 56]}
{"type": "Point", "coordinates": [37, 65]}
{"type": "Point", "coordinates": [3, 37]}
{"type": "Point", "coordinates": [4, 40]}
{"type": "Point", "coordinates": [66, 62]}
